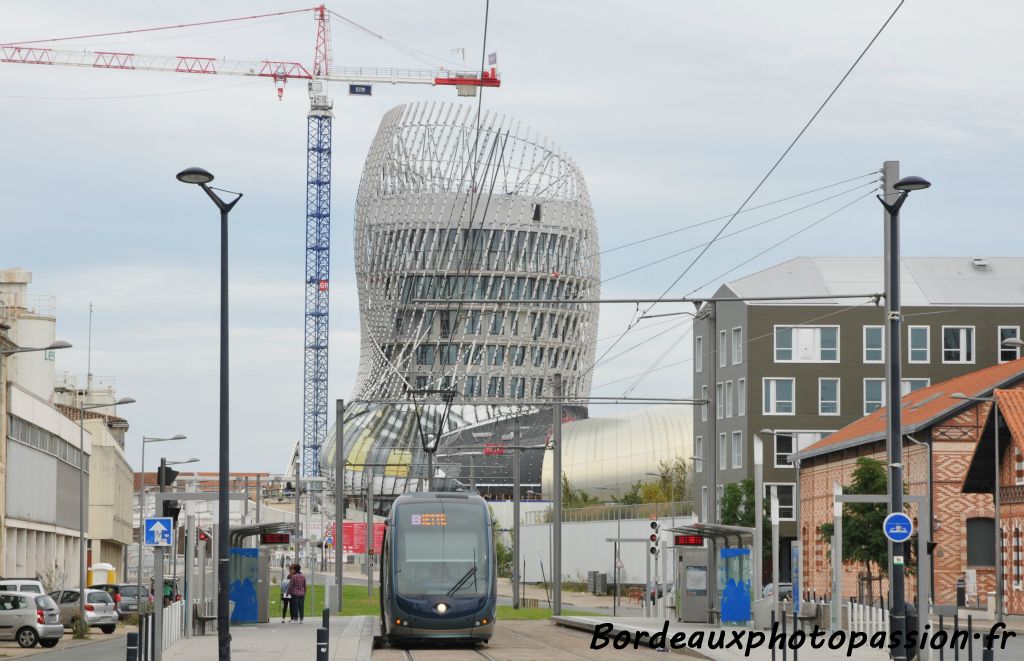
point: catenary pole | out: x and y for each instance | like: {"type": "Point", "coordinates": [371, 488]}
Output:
{"type": "Point", "coordinates": [556, 488]}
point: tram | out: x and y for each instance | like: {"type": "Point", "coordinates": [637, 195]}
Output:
{"type": "Point", "coordinates": [437, 572]}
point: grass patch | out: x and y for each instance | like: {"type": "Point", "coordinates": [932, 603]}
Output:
{"type": "Point", "coordinates": [354, 599]}
{"type": "Point", "coordinates": [357, 603]}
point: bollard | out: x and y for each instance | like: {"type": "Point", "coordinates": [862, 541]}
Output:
{"type": "Point", "coordinates": [327, 619]}
{"type": "Point", "coordinates": [956, 627]}
{"type": "Point", "coordinates": [773, 633]}
{"type": "Point", "coordinates": [970, 637]}
{"type": "Point", "coordinates": [132, 647]}
{"type": "Point", "coordinates": [796, 647]}
{"type": "Point", "coordinates": [784, 637]}
{"type": "Point", "coordinates": [321, 644]}
{"type": "Point", "coordinates": [943, 648]}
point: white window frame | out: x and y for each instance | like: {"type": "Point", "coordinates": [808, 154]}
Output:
{"type": "Point", "coordinates": [737, 345]}
{"type": "Point", "coordinates": [698, 454]}
{"type": "Point", "coordinates": [973, 346]}
{"type": "Point", "coordinates": [839, 398]}
{"type": "Point", "coordinates": [728, 398]}
{"type": "Point", "coordinates": [704, 504]}
{"type": "Point", "coordinates": [719, 401]}
{"type": "Point", "coordinates": [864, 354]}
{"type": "Point", "coordinates": [775, 446]}
{"type": "Point", "coordinates": [704, 406]}
{"type": "Point", "coordinates": [737, 449]}
{"type": "Point", "coordinates": [817, 342]}
{"type": "Point", "coordinates": [999, 343]}
{"type": "Point", "coordinates": [723, 348]}
{"type": "Point", "coordinates": [719, 495]}
{"type": "Point", "coordinates": [927, 345]}
{"type": "Point", "coordinates": [774, 402]}
{"type": "Point", "coordinates": [741, 397]}
{"type": "Point", "coordinates": [791, 506]}
{"type": "Point", "coordinates": [865, 393]}
{"type": "Point", "coordinates": [698, 354]}
{"type": "Point", "coordinates": [723, 452]}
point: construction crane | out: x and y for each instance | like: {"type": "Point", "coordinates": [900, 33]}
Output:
{"type": "Point", "coordinates": [318, 159]}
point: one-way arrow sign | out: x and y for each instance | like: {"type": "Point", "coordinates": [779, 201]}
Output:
{"type": "Point", "coordinates": [158, 531]}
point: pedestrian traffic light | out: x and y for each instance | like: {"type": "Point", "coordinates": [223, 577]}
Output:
{"type": "Point", "coordinates": [655, 538]}
{"type": "Point", "coordinates": [172, 508]}
{"type": "Point", "coordinates": [166, 476]}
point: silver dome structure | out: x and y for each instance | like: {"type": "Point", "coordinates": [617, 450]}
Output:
{"type": "Point", "coordinates": [453, 214]}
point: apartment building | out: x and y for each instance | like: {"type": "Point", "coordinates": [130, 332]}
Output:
{"type": "Point", "coordinates": [806, 367]}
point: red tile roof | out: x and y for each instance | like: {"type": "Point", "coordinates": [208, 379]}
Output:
{"type": "Point", "coordinates": [1011, 407]}
{"type": "Point", "coordinates": [923, 407]}
{"type": "Point", "coordinates": [73, 413]}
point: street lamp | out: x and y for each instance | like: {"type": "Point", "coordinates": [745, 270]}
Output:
{"type": "Point", "coordinates": [142, 514]}
{"type": "Point", "coordinates": [894, 433]}
{"type": "Point", "coordinates": [82, 408]}
{"type": "Point", "coordinates": [201, 178]}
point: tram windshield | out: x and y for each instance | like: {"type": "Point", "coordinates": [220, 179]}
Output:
{"type": "Point", "coordinates": [441, 548]}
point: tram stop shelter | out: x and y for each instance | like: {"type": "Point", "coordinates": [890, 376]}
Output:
{"type": "Point", "coordinates": [726, 556]}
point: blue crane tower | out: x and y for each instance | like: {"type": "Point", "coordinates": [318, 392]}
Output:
{"type": "Point", "coordinates": [318, 251]}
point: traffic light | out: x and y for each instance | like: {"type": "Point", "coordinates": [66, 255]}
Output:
{"type": "Point", "coordinates": [202, 535]}
{"type": "Point", "coordinates": [166, 476]}
{"type": "Point", "coordinates": [172, 508]}
{"type": "Point", "coordinates": [655, 538]}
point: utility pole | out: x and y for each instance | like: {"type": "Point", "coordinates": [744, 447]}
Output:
{"type": "Point", "coordinates": [158, 579]}
{"type": "Point", "coordinates": [712, 464]}
{"type": "Point", "coordinates": [516, 457]}
{"type": "Point", "coordinates": [369, 532]}
{"type": "Point", "coordinates": [339, 496]}
{"type": "Point", "coordinates": [894, 436]}
{"type": "Point", "coordinates": [556, 481]}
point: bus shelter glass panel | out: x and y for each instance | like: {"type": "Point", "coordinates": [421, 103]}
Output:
{"type": "Point", "coordinates": [734, 568]}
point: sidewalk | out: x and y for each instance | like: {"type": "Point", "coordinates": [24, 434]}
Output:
{"type": "Point", "coordinates": [351, 639]}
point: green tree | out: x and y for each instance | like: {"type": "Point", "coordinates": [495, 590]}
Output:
{"type": "Point", "coordinates": [738, 508]}
{"type": "Point", "coordinates": [502, 551]}
{"type": "Point", "coordinates": [675, 479]}
{"type": "Point", "coordinates": [632, 497]}
{"type": "Point", "coordinates": [572, 498]}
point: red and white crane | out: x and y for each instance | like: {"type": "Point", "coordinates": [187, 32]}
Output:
{"type": "Point", "coordinates": [318, 154]}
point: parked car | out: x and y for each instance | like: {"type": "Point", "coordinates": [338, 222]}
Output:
{"type": "Point", "coordinates": [32, 585]}
{"type": "Point", "coordinates": [125, 596]}
{"type": "Point", "coordinates": [100, 610]}
{"type": "Point", "coordinates": [30, 618]}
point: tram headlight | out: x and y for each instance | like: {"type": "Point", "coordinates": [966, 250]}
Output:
{"type": "Point", "coordinates": [442, 608]}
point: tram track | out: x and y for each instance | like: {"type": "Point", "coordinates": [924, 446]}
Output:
{"type": "Point", "coordinates": [445, 654]}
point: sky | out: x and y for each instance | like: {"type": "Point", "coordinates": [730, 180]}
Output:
{"type": "Point", "coordinates": [674, 112]}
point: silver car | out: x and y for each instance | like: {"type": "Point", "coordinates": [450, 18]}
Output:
{"type": "Point", "coordinates": [100, 610]}
{"type": "Point", "coordinates": [29, 619]}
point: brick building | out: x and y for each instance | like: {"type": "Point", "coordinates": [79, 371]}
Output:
{"type": "Point", "coordinates": [954, 431]}
{"type": "Point", "coordinates": [1011, 492]}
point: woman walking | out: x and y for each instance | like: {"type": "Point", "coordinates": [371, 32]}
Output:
{"type": "Point", "coordinates": [286, 598]}
{"type": "Point", "coordinates": [297, 589]}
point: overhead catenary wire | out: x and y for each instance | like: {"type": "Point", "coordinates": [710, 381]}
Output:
{"type": "Point", "coordinates": [774, 166]}
{"type": "Point", "coordinates": [701, 223]}
{"type": "Point", "coordinates": [737, 232]}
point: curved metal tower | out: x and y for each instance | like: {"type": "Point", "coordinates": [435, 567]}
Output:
{"type": "Point", "coordinates": [461, 211]}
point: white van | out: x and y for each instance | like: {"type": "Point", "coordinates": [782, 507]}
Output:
{"type": "Point", "coordinates": [21, 585]}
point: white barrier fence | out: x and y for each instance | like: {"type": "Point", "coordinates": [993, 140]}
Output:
{"type": "Point", "coordinates": [173, 625]}
{"type": "Point", "coordinates": [868, 619]}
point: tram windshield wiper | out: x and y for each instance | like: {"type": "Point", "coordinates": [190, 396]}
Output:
{"type": "Point", "coordinates": [462, 581]}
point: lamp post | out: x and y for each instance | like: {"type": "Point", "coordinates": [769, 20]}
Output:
{"type": "Point", "coordinates": [894, 435]}
{"type": "Point", "coordinates": [82, 408]}
{"type": "Point", "coordinates": [53, 346]}
{"type": "Point", "coordinates": [201, 178]}
{"type": "Point", "coordinates": [142, 513]}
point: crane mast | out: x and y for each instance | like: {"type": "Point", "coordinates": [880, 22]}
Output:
{"type": "Point", "coordinates": [318, 251]}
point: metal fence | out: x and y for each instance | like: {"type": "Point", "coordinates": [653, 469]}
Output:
{"type": "Point", "coordinates": [173, 626]}
{"type": "Point", "coordinates": [867, 618]}
{"type": "Point", "coordinates": [612, 513]}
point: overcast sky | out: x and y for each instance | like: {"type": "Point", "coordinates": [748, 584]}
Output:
{"type": "Point", "coordinates": [673, 110]}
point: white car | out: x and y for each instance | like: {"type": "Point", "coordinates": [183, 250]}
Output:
{"type": "Point", "coordinates": [21, 585]}
{"type": "Point", "coordinates": [100, 610]}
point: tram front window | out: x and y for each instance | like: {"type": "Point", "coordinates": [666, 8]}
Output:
{"type": "Point", "coordinates": [441, 549]}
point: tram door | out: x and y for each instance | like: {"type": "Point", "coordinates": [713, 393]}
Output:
{"type": "Point", "coordinates": [692, 584]}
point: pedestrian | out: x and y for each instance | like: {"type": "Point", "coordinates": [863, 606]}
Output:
{"type": "Point", "coordinates": [297, 589]}
{"type": "Point", "coordinates": [286, 598]}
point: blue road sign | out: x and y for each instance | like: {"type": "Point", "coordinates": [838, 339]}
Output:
{"type": "Point", "coordinates": [159, 531]}
{"type": "Point", "coordinates": [898, 527]}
